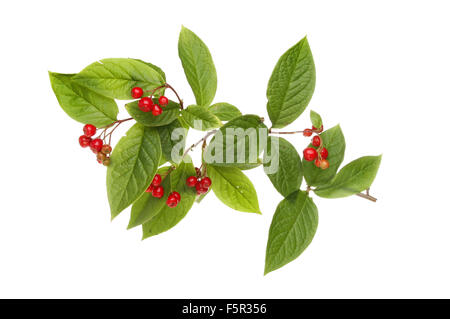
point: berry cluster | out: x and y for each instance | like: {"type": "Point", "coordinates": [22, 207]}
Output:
{"type": "Point", "coordinates": [96, 144]}
{"type": "Point", "coordinates": [157, 191]}
{"type": "Point", "coordinates": [201, 184]}
{"type": "Point", "coordinates": [320, 155]}
{"type": "Point", "coordinates": [146, 103]}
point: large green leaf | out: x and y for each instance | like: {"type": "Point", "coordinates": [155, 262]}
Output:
{"type": "Point", "coordinates": [291, 85]}
{"type": "Point", "coordinates": [237, 142]}
{"type": "Point", "coordinates": [168, 217]}
{"type": "Point", "coordinates": [115, 78]}
{"type": "Point", "coordinates": [147, 206]}
{"type": "Point", "coordinates": [334, 141]}
{"type": "Point", "coordinates": [283, 165]}
{"type": "Point", "coordinates": [353, 178]}
{"type": "Point", "coordinates": [233, 188]}
{"type": "Point", "coordinates": [83, 104]}
{"type": "Point", "coordinates": [173, 139]}
{"type": "Point", "coordinates": [156, 68]}
{"type": "Point", "coordinates": [200, 118]}
{"type": "Point", "coordinates": [292, 230]}
{"type": "Point", "coordinates": [134, 162]}
{"type": "Point", "coordinates": [225, 111]}
{"type": "Point", "coordinates": [170, 113]}
{"type": "Point", "coordinates": [198, 66]}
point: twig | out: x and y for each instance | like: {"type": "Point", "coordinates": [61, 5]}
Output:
{"type": "Point", "coordinates": [203, 139]}
{"type": "Point", "coordinates": [371, 198]}
{"type": "Point", "coordinates": [367, 196]}
{"type": "Point", "coordinates": [167, 86]}
{"type": "Point", "coordinates": [178, 97]}
{"type": "Point", "coordinates": [291, 132]}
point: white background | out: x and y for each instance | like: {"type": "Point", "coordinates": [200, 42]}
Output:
{"type": "Point", "coordinates": [382, 73]}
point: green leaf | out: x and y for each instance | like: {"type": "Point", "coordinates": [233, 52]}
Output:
{"type": "Point", "coordinates": [283, 165]}
{"type": "Point", "coordinates": [291, 85]}
{"type": "Point", "coordinates": [169, 217]}
{"type": "Point", "coordinates": [334, 141]}
{"type": "Point", "coordinates": [249, 166]}
{"type": "Point", "coordinates": [82, 104]}
{"type": "Point", "coordinates": [225, 111]}
{"type": "Point", "coordinates": [200, 118]}
{"type": "Point", "coordinates": [237, 142]}
{"type": "Point", "coordinates": [156, 68]}
{"type": "Point", "coordinates": [198, 66]}
{"type": "Point", "coordinates": [316, 120]}
{"type": "Point", "coordinates": [115, 78]}
{"type": "Point", "coordinates": [233, 188]}
{"type": "Point", "coordinates": [293, 227]}
{"type": "Point", "coordinates": [170, 113]}
{"type": "Point", "coordinates": [200, 197]}
{"type": "Point", "coordinates": [147, 206]}
{"type": "Point", "coordinates": [134, 162]}
{"type": "Point", "coordinates": [173, 138]}
{"type": "Point", "coordinates": [352, 178]}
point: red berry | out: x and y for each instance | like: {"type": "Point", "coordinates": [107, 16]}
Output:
{"type": "Point", "coordinates": [101, 157]}
{"type": "Point", "coordinates": [177, 196]}
{"type": "Point", "coordinates": [309, 154]}
{"type": "Point", "coordinates": [106, 149]}
{"type": "Point", "coordinates": [307, 132]}
{"type": "Point", "coordinates": [316, 130]}
{"type": "Point", "coordinates": [149, 189]}
{"type": "Point", "coordinates": [172, 201]}
{"type": "Point", "coordinates": [145, 104]}
{"type": "Point", "coordinates": [191, 181]}
{"type": "Point", "coordinates": [96, 145]}
{"type": "Point", "coordinates": [158, 192]}
{"type": "Point", "coordinates": [89, 130]}
{"type": "Point", "coordinates": [163, 101]}
{"type": "Point", "coordinates": [324, 164]}
{"type": "Point", "coordinates": [84, 141]}
{"type": "Point", "coordinates": [156, 180]}
{"type": "Point", "coordinates": [317, 162]}
{"type": "Point", "coordinates": [157, 110]}
{"type": "Point", "coordinates": [316, 141]}
{"type": "Point", "coordinates": [136, 92]}
{"type": "Point", "coordinates": [324, 153]}
{"type": "Point", "coordinates": [200, 189]}
{"type": "Point", "coordinates": [205, 182]}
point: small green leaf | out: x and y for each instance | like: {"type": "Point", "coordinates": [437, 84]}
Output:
{"type": "Point", "coordinates": [173, 139]}
{"type": "Point", "coordinates": [170, 113]}
{"type": "Point", "coordinates": [200, 197]}
{"type": "Point", "coordinates": [237, 142]}
{"type": "Point", "coordinates": [353, 178]}
{"type": "Point", "coordinates": [168, 217]}
{"type": "Point", "coordinates": [234, 189]}
{"type": "Point", "coordinates": [283, 165]}
{"type": "Point", "coordinates": [147, 206]}
{"type": "Point", "coordinates": [198, 66]}
{"type": "Point", "coordinates": [200, 118]}
{"type": "Point", "coordinates": [293, 227]}
{"type": "Point", "coordinates": [334, 141]}
{"type": "Point", "coordinates": [134, 162]}
{"type": "Point", "coordinates": [115, 78]}
{"type": "Point", "coordinates": [225, 111]}
{"type": "Point", "coordinates": [83, 104]}
{"type": "Point", "coordinates": [316, 120]}
{"type": "Point", "coordinates": [291, 85]}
